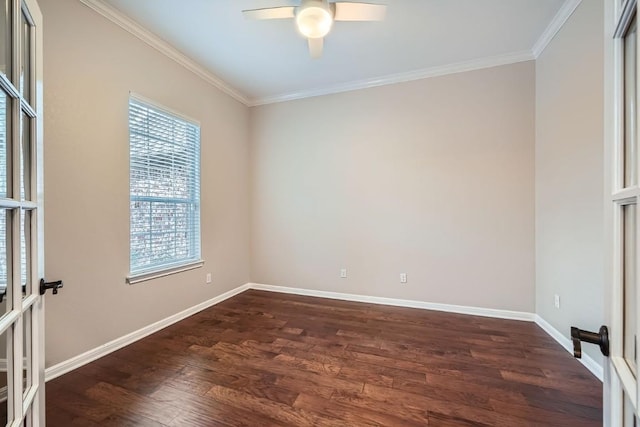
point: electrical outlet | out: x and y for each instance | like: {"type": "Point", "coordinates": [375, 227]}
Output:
{"type": "Point", "coordinates": [208, 277]}
{"type": "Point", "coordinates": [403, 277]}
{"type": "Point", "coordinates": [343, 273]}
{"type": "Point", "coordinates": [556, 300]}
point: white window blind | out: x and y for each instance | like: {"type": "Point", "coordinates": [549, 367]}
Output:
{"type": "Point", "coordinates": [164, 189]}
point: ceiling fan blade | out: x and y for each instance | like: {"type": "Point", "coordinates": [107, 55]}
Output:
{"type": "Point", "coordinates": [270, 13]}
{"type": "Point", "coordinates": [348, 11]}
{"type": "Point", "coordinates": [315, 47]}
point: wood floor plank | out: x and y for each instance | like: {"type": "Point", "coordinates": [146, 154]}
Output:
{"type": "Point", "coordinates": [268, 359]}
{"type": "Point", "coordinates": [132, 403]}
{"type": "Point", "coordinates": [82, 407]}
{"type": "Point", "coordinates": [205, 411]}
{"type": "Point", "coordinates": [546, 416]}
{"type": "Point", "coordinates": [130, 420]}
{"type": "Point", "coordinates": [429, 403]}
{"type": "Point", "coordinates": [283, 413]}
{"type": "Point", "coordinates": [348, 414]}
{"type": "Point", "coordinates": [365, 401]}
{"type": "Point", "coordinates": [61, 417]}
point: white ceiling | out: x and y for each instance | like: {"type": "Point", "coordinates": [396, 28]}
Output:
{"type": "Point", "coordinates": [268, 60]}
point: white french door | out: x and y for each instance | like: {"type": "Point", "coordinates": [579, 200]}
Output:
{"type": "Point", "coordinates": [622, 397]}
{"type": "Point", "coordinates": [21, 220]}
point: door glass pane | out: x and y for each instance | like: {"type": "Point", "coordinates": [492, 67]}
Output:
{"type": "Point", "coordinates": [630, 229]}
{"type": "Point", "coordinates": [630, 98]}
{"type": "Point", "coordinates": [5, 37]}
{"type": "Point", "coordinates": [25, 164]}
{"type": "Point", "coordinates": [5, 264]}
{"type": "Point", "coordinates": [630, 420]}
{"type": "Point", "coordinates": [5, 362]}
{"type": "Point", "coordinates": [25, 66]}
{"type": "Point", "coordinates": [5, 120]}
{"type": "Point", "coordinates": [26, 351]}
{"type": "Point", "coordinates": [25, 246]}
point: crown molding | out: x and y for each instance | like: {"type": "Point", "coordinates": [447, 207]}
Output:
{"type": "Point", "coordinates": [163, 47]}
{"type": "Point", "coordinates": [460, 67]}
{"type": "Point", "coordinates": [555, 25]}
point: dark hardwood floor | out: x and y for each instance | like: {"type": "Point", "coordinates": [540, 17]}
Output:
{"type": "Point", "coordinates": [262, 359]}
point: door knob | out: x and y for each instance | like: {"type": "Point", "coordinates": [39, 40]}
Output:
{"type": "Point", "coordinates": [50, 285]}
{"type": "Point", "coordinates": [601, 339]}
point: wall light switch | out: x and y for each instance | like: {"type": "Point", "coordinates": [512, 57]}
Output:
{"type": "Point", "coordinates": [208, 277]}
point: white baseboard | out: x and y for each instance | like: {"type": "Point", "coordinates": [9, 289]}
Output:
{"type": "Point", "coordinates": [461, 309]}
{"type": "Point", "coordinates": [587, 361]}
{"type": "Point", "coordinates": [98, 352]}
{"type": "Point", "coordinates": [593, 366]}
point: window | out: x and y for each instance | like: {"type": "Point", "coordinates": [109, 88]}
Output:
{"type": "Point", "coordinates": [164, 186]}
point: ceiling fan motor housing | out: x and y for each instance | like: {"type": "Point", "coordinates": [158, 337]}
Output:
{"type": "Point", "coordinates": [314, 18]}
{"type": "Point", "coordinates": [315, 3]}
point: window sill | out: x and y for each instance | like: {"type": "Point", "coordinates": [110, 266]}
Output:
{"type": "Point", "coordinates": [143, 277]}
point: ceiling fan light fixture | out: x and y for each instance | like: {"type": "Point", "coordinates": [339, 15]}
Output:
{"type": "Point", "coordinates": [314, 22]}
{"type": "Point", "coordinates": [314, 18]}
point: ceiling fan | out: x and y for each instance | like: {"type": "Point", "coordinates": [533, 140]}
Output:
{"type": "Point", "coordinates": [314, 18]}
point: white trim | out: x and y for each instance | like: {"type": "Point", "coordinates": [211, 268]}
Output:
{"type": "Point", "coordinates": [132, 279]}
{"type": "Point", "coordinates": [163, 47]}
{"type": "Point", "coordinates": [593, 366]}
{"type": "Point", "coordinates": [100, 351]}
{"type": "Point", "coordinates": [459, 67]}
{"type": "Point", "coordinates": [587, 361]}
{"type": "Point", "coordinates": [103, 350]}
{"type": "Point", "coordinates": [461, 309]}
{"type": "Point", "coordinates": [555, 26]}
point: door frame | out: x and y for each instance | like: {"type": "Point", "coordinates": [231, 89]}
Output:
{"type": "Point", "coordinates": [617, 376]}
{"type": "Point", "coordinates": [37, 330]}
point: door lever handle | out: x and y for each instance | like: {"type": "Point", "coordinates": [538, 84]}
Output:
{"type": "Point", "coordinates": [601, 339]}
{"type": "Point", "coordinates": [50, 285]}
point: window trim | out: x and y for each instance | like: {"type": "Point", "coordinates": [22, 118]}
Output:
{"type": "Point", "coordinates": [132, 279]}
{"type": "Point", "coordinates": [181, 266]}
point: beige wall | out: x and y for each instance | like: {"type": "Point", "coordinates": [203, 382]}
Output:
{"type": "Point", "coordinates": [569, 175]}
{"type": "Point", "coordinates": [434, 178]}
{"type": "Point", "coordinates": [90, 67]}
